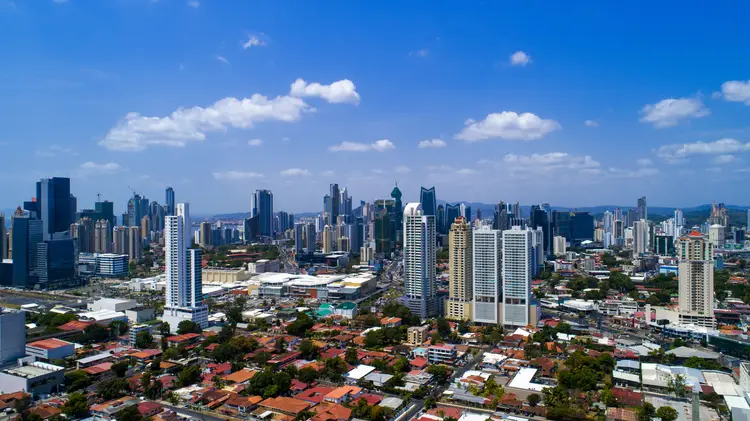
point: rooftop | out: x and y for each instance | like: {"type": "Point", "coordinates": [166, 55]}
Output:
{"type": "Point", "coordinates": [49, 344]}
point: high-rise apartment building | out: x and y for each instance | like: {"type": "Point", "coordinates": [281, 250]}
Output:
{"type": "Point", "coordinates": [184, 290]}
{"type": "Point", "coordinates": [27, 235]}
{"type": "Point", "coordinates": [135, 244]}
{"type": "Point", "coordinates": [54, 205]}
{"type": "Point", "coordinates": [334, 204]}
{"type": "Point", "coordinates": [145, 230]}
{"type": "Point", "coordinates": [717, 235]}
{"type": "Point", "coordinates": [500, 217]}
{"type": "Point", "coordinates": [640, 237]}
{"type": "Point", "coordinates": [12, 336]}
{"type": "Point", "coordinates": [205, 234]}
{"type": "Point", "coordinates": [83, 234]}
{"type": "Point", "coordinates": [460, 289]}
{"type": "Point", "coordinates": [3, 239]}
{"type": "Point", "coordinates": [261, 205]}
{"type": "Point", "coordinates": [328, 234]}
{"type": "Point", "coordinates": [419, 261]}
{"type": "Point", "coordinates": [169, 200]}
{"type": "Point", "coordinates": [298, 243]}
{"type": "Point", "coordinates": [487, 254]}
{"type": "Point", "coordinates": [103, 236]}
{"type": "Point", "coordinates": [120, 240]}
{"type": "Point", "coordinates": [559, 245]}
{"type": "Point", "coordinates": [696, 279]}
{"type": "Point", "coordinates": [517, 272]}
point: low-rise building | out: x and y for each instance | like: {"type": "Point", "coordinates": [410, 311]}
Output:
{"type": "Point", "coordinates": [135, 330]}
{"type": "Point", "coordinates": [213, 275]}
{"type": "Point", "coordinates": [108, 410]}
{"type": "Point", "coordinates": [140, 314]}
{"type": "Point", "coordinates": [50, 349]}
{"type": "Point", "coordinates": [442, 354]}
{"type": "Point", "coordinates": [112, 304]}
{"type": "Point", "coordinates": [417, 335]}
{"type": "Point", "coordinates": [31, 376]}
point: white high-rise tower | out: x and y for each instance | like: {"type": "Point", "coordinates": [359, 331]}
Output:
{"type": "Point", "coordinates": [184, 290]}
{"type": "Point", "coordinates": [419, 261]}
{"type": "Point", "coordinates": [487, 260]}
{"type": "Point", "coordinates": [517, 271]}
{"type": "Point", "coordinates": [696, 279]}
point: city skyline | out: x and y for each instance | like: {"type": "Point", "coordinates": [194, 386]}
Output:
{"type": "Point", "coordinates": [482, 115]}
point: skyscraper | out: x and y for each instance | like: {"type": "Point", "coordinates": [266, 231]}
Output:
{"type": "Point", "coordinates": [205, 234]}
{"type": "Point", "coordinates": [451, 213]}
{"type": "Point", "coordinates": [298, 243]}
{"type": "Point", "coordinates": [642, 209]}
{"type": "Point", "coordinates": [103, 237]}
{"type": "Point", "coordinates": [310, 237]}
{"type": "Point", "coordinates": [428, 200]}
{"type": "Point", "coordinates": [640, 237]}
{"type": "Point", "coordinates": [169, 200]}
{"type": "Point", "coordinates": [184, 296]}
{"type": "Point", "coordinates": [460, 266]}
{"type": "Point", "coordinates": [145, 229]}
{"type": "Point", "coordinates": [56, 260]}
{"type": "Point", "coordinates": [334, 203]}
{"type": "Point", "coordinates": [346, 205]}
{"type": "Point", "coordinates": [120, 241]}
{"type": "Point", "coordinates": [487, 256]}
{"type": "Point", "coordinates": [27, 234]}
{"type": "Point", "coordinates": [83, 233]}
{"type": "Point", "coordinates": [261, 205]}
{"type": "Point", "coordinates": [440, 220]}
{"type": "Point", "coordinates": [419, 261]}
{"type": "Point", "coordinates": [500, 217]}
{"type": "Point", "coordinates": [696, 280]}
{"type": "Point", "coordinates": [328, 234]}
{"type": "Point", "coordinates": [3, 239]}
{"type": "Point", "coordinates": [54, 205]}
{"type": "Point", "coordinates": [135, 244]}
{"type": "Point", "coordinates": [398, 217]}
{"type": "Point", "coordinates": [517, 270]}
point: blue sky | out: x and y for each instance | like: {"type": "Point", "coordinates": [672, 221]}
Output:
{"type": "Point", "coordinates": [574, 104]}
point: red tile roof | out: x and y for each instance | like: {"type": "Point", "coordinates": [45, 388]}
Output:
{"type": "Point", "coordinates": [49, 344]}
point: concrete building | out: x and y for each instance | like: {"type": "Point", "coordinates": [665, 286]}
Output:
{"type": "Point", "coordinates": [417, 335]}
{"type": "Point", "coordinates": [112, 304]}
{"type": "Point", "coordinates": [140, 314]}
{"type": "Point", "coordinates": [103, 236]}
{"type": "Point", "coordinates": [327, 239]}
{"type": "Point", "coordinates": [205, 234]}
{"type": "Point", "coordinates": [135, 330]}
{"type": "Point", "coordinates": [717, 236]}
{"type": "Point", "coordinates": [559, 245]}
{"type": "Point", "coordinates": [12, 336]}
{"type": "Point", "coordinates": [460, 289]}
{"type": "Point", "coordinates": [135, 244]}
{"type": "Point", "coordinates": [49, 350]}
{"type": "Point", "coordinates": [31, 376]}
{"type": "Point", "coordinates": [111, 265]}
{"type": "Point", "coordinates": [419, 252]}
{"type": "Point", "coordinates": [442, 354]}
{"type": "Point", "coordinates": [640, 237]}
{"type": "Point", "coordinates": [487, 254]}
{"type": "Point", "coordinates": [184, 291]}
{"type": "Point", "coordinates": [517, 271]}
{"type": "Point", "coordinates": [696, 279]}
{"type": "Point", "coordinates": [214, 275]}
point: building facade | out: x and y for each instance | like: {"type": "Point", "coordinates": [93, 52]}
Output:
{"type": "Point", "coordinates": [487, 275]}
{"type": "Point", "coordinates": [420, 290]}
{"type": "Point", "coordinates": [517, 272]}
{"type": "Point", "coordinates": [460, 289]}
{"type": "Point", "coordinates": [696, 280]}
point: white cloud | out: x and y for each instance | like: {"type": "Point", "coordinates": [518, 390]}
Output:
{"type": "Point", "coordinates": [508, 125]}
{"type": "Point", "coordinates": [254, 41]}
{"type": "Point", "coordinates": [626, 173]}
{"type": "Point", "coordinates": [432, 143]}
{"type": "Point", "coordinates": [378, 145]}
{"type": "Point", "coordinates": [54, 151]}
{"type": "Point", "coordinates": [254, 142]}
{"type": "Point", "coordinates": [519, 58]}
{"type": "Point", "coordinates": [713, 169]}
{"type": "Point", "coordinates": [644, 162]}
{"type": "Point", "coordinates": [549, 162]}
{"type": "Point", "coordinates": [194, 4]}
{"type": "Point", "coordinates": [378, 171]}
{"type": "Point", "coordinates": [669, 112]}
{"type": "Point", "coordinates": [724, 159]}
{"type": "Point", "coordinates": [136, 132]}
{"type": "Point", "coordinates": [678, 153]}
{"type": "Point", "coordinates": [441, 168]}
{"type": "Point", "coordinates": [294, 172]}
{"type": "Point", "coordinates": [402, 169]}
{"type": "Point", "coordinates": [466, 171]}
{"type": "Point", "coordinates": [736, 91]}
{"type": "Point", "coordinates": [591, 123]}
{"type": "Point", "coordinates": [236, 175]}
{"type": "Point", "coordinates": [222, 59]}
{"type": "Point", "coordinates": [327, 173]}
{"type": "Point", "coordinates": [339, 92]}
{"type": "Point", "coordinates": [420, 53]}
{"type": "Point", "coordinates": [93, 168]}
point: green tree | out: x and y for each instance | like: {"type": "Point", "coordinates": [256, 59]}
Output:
{"type": "Point", "coordinates": [118, 327]}
{"type": "Point", "coordinates": [429, 403]}
{"type": "Point", "coordinates": [111, 389]}
{"type": "Point", "coordinates": [129, 413]}
{"type": "Point", "coordinates": [144, 339]}
{"type": "Point", "coordinates": [440, 372]}
{"type": "Point", "coordinates": [164, 329]}
{"type": "Point", "coordinates": [308, 350]}
{"type": "Point", "coordinates": [351, 356]}
{"type": "Point", "coordinates": [308, 375]}
{"type": "Point", "coordinates": [534, 399]}
{"type": "Point", "coordinates": [443, 327]}
{"type": "Point", "coordinates": [677, 385]}
{"type": "Point", "coordinates": [120, 368]}
{"type": "Point", "coordinates": [666, 413]}
{"type": "Point", "coordinates": [646, 412]}
{"type": "Point", "coordinates": [189, 375]}
{"type": "Point", "coordinates": [188, 326]}
{"type": "Point", "coordinates": [300, 325]}
{"type": "Point", "coordinates": [76, 407]}
{"type": "Point", "coordinates": [77, 380]}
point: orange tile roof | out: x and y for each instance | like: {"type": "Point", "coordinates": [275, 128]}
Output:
{"type": "Point", "coordinates": [49, 344]}
{"type": "Point", "coordinates": [240, 376]}
{"type": "Point", "coordinates": [98, 369]}
{"type": "Point", "coordinates": [327, 411]}
{"type": "Point", "coordinates": [285, 405]}
{"type": "Point", "coordinates": [342, 391]}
